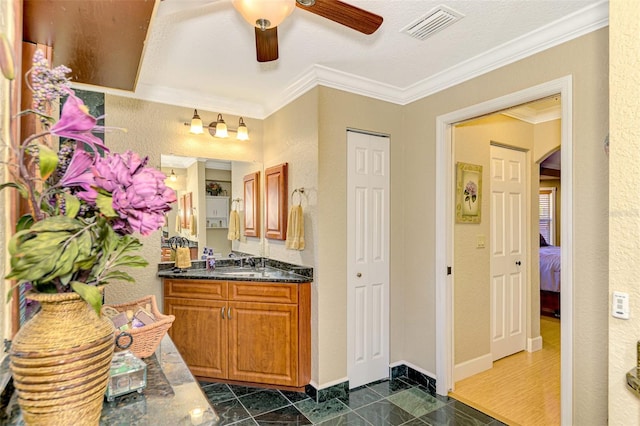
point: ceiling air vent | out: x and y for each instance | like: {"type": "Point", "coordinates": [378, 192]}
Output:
{"type": "Point", "coordinates": [436, 20]}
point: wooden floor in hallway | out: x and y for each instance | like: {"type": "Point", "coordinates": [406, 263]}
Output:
{"type": "Point", "coordinates": [521, 389]}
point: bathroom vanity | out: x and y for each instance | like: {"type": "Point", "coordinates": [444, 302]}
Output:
{"type": "Point", "coordinates": [242, 324]}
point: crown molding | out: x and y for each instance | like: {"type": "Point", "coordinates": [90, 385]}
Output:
{"type": "Point", "coordinates": [555, 33]}
{"type": "Point", "coordinates": [568, 28]}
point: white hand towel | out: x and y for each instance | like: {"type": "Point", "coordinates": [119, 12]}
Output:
{"type": "Point", "coordinates": [295, 229]}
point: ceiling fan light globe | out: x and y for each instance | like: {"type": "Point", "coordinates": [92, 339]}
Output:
{"type": "Point", "coordinates": [257, 11]}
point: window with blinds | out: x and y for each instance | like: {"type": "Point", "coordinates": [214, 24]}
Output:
{"type": "Point", "coordinates": [547, 214]}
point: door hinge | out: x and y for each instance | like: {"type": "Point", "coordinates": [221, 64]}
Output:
{"type": "Point", "coordinates": [448, 270]}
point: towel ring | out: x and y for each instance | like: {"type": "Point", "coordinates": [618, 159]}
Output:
{"type": "Point", "coordinates": [235, 200]}
{"type": "Point", "coordinates": [300, 191]}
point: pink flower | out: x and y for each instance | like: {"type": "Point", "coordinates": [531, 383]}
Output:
{"type": "Point", "coordinates": [139, 195]}
{"type": "Point", "coordinates": [76, 123]}
{"type": "Point", "coordinates": [79, 174]}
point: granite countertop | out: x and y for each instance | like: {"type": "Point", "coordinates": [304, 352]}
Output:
{"type": "Point", "coordinates": [171, 393]}
{"type": "Point", "coordinates": [231, 270]}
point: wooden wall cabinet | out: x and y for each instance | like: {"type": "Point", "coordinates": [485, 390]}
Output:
{"type": "Point", "coordinates": [186, 210]}
{"type": "Point", "coordinates": [252, 332]}
{"type": "Point", "coordinates": [252, 205]}
{"type": "Point", "coordinates": [276, 201]}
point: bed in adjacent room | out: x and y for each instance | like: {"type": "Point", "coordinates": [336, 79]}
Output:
{"type": "Point", "coordinates": [549, 279]}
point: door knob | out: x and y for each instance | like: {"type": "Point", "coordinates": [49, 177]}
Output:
{"type": "Point", "coordinates": [358, 275]}
{"type": "Point", "coordinates": [518, 263]}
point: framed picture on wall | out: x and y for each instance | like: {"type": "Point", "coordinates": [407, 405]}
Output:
{"type": "Point", "coordinates": [468, 193]}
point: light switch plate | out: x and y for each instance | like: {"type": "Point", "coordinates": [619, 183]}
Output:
{"type": "Point", "coordinates": [480, 241]}
{"type": "Point", "coordinates": [620, 305]}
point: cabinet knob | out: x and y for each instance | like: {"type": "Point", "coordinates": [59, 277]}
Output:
{"type": "Point", "coordinates": [359, 274]}
{"type": "Point", "coordinates": [222, 312]}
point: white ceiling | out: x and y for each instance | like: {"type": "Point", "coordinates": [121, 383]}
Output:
{"type": "Point", "coordinates": [201, 53]}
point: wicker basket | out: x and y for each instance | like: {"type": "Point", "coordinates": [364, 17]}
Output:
{"type": "Point", "coordinates": [145, 340]}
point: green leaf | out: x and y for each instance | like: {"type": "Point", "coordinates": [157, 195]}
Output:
{"type": "Point", "coordinates": [21, 188]}
{"type": "Point", "coordinates": [57, 223]}
{"type": "Point", "coordinates": [104, 204]}
{"type": "Point", "coordinates": [132, 261]}
{"type": "Point", "coordinates": [91, 294]}
{"type": "Point", "coordinates": [24, 222]}
{"type": "Point", "coordinates": [117, 275]}
{"type": "Point", "coordinates": [48, 160]}
{"type": "Point", "coordinates": [72, 205]}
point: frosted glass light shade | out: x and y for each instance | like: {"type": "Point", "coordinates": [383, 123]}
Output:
{"type": "Point", "coordinates": [256, 12]}
{"type": "Point", "coordinates": [243, 131]}
{"type": "Point", "coordinates": [221, 128]}
{"type": "Point", "coordinates": [196, 123]}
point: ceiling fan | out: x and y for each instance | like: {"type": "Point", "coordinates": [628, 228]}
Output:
{"type": "Point", "coordinates": [266, 15]}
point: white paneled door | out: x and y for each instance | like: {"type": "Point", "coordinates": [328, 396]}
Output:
{"type": "Point", "coordinates": [368, 258]}
{"type": "Point", "coordinates": [508, 251]}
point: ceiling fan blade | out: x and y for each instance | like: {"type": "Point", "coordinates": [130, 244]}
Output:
{"type": "Point", "coordinates": [345, 14]}
{"type": "Point", "coordinates": [266, 44]}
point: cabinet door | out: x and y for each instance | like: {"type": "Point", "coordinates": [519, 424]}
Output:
{"type": "Point", "coordinates": [276, 201]}
{"type": "Point", "coordinates": [200, 334]}
{"type": "Point", "coordinates": [263, 343]}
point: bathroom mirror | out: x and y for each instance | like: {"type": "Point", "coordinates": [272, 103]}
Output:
{"type": "Point", "coordinates": [216, 187]}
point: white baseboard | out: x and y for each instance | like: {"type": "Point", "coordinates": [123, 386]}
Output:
{"type": "Point", "coordinates": [534, 344]}
{"type": "Point", "coordinates": [472, 367]}
{"type": "Point", "coordinates": [329, 384]}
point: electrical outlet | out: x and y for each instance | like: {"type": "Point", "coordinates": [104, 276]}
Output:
{"type": "Point", "coordinates": [620, 305]}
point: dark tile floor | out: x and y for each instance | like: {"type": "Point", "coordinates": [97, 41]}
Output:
{"type": "Point", "coordinates": [389, 402]}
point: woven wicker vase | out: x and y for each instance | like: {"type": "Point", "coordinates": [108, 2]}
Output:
{"type": "Point", "coordinates": [60, 362]}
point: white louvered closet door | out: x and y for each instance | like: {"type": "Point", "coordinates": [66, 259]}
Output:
{"type": "Point", "coordinates": [368, 258]}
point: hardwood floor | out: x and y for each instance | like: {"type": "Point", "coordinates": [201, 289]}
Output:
{"type": "Point", "coordinates": [521, 389]}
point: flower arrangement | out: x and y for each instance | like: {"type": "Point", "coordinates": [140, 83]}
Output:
{"type": "Point", "coordinates": [84, 202]}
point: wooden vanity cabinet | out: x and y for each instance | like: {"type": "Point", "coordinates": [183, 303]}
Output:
{"type": "Point", "coordinates": [253, 332]}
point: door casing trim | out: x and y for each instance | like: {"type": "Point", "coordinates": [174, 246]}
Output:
{"type": "Point", "coordinates": [444, 231]}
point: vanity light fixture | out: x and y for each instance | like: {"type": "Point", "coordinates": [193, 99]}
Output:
{"type": "Point", "coordinates": [172, 176]}
{"type": "Point", "coordinates": [196, 124]}
{"type": "Point", "coordinates": [221, 128]}
{"type": "Point", "coordinates": [218, 128]}
{"type": "Point", "coordinates": [243, 132]}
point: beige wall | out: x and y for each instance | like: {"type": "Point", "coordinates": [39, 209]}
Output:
{"type": "Point", "coordinates": [292, 137]}
{"type": "Point", "coordinates": [154, 129]}
{"type": "Point", "coordinates": [472, 265]}
{"type": "Point", "coordinates": [586, 59]}
{"type": "Point", "coordinates": [337, 112]}
{"type": "Point", "coordinates": [624, 225]}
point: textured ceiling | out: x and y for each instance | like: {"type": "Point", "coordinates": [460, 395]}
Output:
{"type": "Point", "coordinates": [201, 53]}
